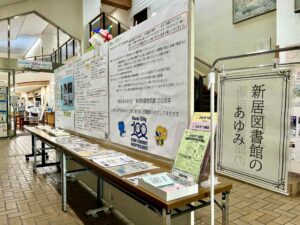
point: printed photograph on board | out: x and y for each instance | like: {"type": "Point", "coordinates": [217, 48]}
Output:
{"type": "Point", "coordinates": [67, 94]}
{"type": "Point", "coordinates": [246, 9]}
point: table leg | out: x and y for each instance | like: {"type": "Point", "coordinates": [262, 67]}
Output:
{"type": "Point", "coordinates": [225, 206]}
{"type": "Point", "coordinates": [32, 143]}
{"type": "Point", "coordinates": [99, 188]}
{"type": "Point", "coordinates": [43, 153]}
{"type": "Point", "coordinates": [34, 152]}
{"type": "Point", "coordinates": [63, 182]}
{"type": "Point", "coordinates": [166, 217]}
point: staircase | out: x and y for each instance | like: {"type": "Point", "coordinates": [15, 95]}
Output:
{"type": "Point", "coordinates": [202, 96]}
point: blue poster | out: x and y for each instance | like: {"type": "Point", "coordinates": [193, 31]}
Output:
{"type": "Point", "coordinates": [67, 93]}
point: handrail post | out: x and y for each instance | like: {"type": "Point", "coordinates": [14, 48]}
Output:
{"type": "Point", "coordinates": [212, 78]}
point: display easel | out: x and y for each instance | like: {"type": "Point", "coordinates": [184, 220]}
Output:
{"type": "Point", "coordinates": [212, 77]}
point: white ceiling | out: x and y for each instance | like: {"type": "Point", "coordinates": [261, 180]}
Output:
{"type": "Point", "coordinates": [50, 29]}
{"type": "Point", "coordinates": [8, 2]}
{"type": "Point", "coordinates": [24, 89]}
{"type": "Point", "coordinates": [15, 27]}
{"type": "Point", "coordinates": [107, 8]}
{"type": "Point", "coordinates": [3, 30]}
{"type": "Point", "coordinates": [29, 77]}
{"type": "Point", "coordinates": [25, 32]}
{"type": "Point", "coordinates": [19, 46]}
{"type": "Point", "coordinates": [33, 25]}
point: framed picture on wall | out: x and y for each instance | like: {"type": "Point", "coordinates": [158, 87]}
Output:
{"type": "Point", "coordinates": [297, 6]}
{"type": "Point", "coordinates": [246, 9]}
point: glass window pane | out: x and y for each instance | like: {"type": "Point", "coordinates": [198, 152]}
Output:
{"type": "Point", "coordinates": [70, 49]}
{"type": "Point", "coordinates": [63, 38]}
{"type": "Point", "coordinates": [3, 38]}
{"type": "Point", "coordinates": [64, 53]}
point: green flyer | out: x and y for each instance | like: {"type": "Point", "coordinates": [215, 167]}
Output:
{"type": "Point", "coordinates": [191, 153]}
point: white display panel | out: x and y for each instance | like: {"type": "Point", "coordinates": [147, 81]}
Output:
{"type": "Point", "coordinates": [148, 73]}
{"type": "Point", "coordinates": [91, 91]}
{"type": "Point", "coordinates": [253, 132]}
{"type": "Point", "coordinates": [64, 97]}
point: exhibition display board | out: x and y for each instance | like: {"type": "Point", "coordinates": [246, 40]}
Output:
{"type": "Point", "coordinates": [64, 97]}
{"type": "Point", "coordinates": [253, 137]}
{"type": "Point", "coordinates": [132, 91]}
{"type": "Point", "coordinates": [148, 86]}
{"type": "Point", "coordinates": [91, 91]}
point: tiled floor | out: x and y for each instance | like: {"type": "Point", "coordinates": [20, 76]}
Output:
{"type": "Point", "coordinates": [28, 198]}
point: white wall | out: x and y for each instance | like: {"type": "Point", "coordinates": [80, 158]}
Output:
{"type": "Point", "coordinates": [50, 94]}
{"type": "Point", "coordinates": [216, 36]}
{"type": "Point", "coordinates": [288, 23]}
{"type": "Point", "coordinates": [139, 5]}
{"type": "Point", "coordinates": [152, 5]}
{"type": "Point", "coordinates": [288, 29]}
{"type": "Point", "coordinates": [90, 9]}
{"type": "Point", "coordinates": [123, 16]}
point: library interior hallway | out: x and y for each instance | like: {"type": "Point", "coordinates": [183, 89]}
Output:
{"type": "Point", "coordinates": [28, 198]}
{"type": "Point", "coordinates": [34, 199]}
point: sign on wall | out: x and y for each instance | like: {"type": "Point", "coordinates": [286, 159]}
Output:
{"type": "Point", "coordinates": [91, 91]}
{"type": "Point", "coordinates": [253, 128]}
{"type": "Point", "coordinates": [35, 65]}
{"type": "Point", "coordinates": [64, 97]}
{"type": "Point", "coordinates": [148, 68]}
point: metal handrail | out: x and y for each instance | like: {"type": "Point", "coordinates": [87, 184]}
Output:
{"type": "Point", "coordinates": [203, 62]}
{"type": "Point", "coordinates": [251, 54]}
{"type": "Point", "coordinates": [38, 56]}
{"type": "Point", "coordinates": [108, 16]}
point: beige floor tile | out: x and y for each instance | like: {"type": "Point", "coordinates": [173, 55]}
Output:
{"type": "Point", "coordinates": [26, 198]}
{"type": "Point", "coordinates": [282, 219]}
{"type": "Point", "coordinates": [265, 219]}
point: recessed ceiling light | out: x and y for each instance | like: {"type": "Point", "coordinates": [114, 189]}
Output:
{"type": "Point", "coordinates": [16, 17]}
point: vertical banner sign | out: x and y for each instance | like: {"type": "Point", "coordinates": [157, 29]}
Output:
{"type": "Point", "coordinates": [91, 90]}
{"type": "Point", "coordinates": [253, 130]}
{"type": "Point", "coordinates": [64, 97]}
{"type": "Point", "coordinates": [149, 83]}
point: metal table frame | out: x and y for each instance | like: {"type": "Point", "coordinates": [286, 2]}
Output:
{"type": "Point", "coordinates": [40, 152]}
{"type": "Point", "coordinates": [165, 214]}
